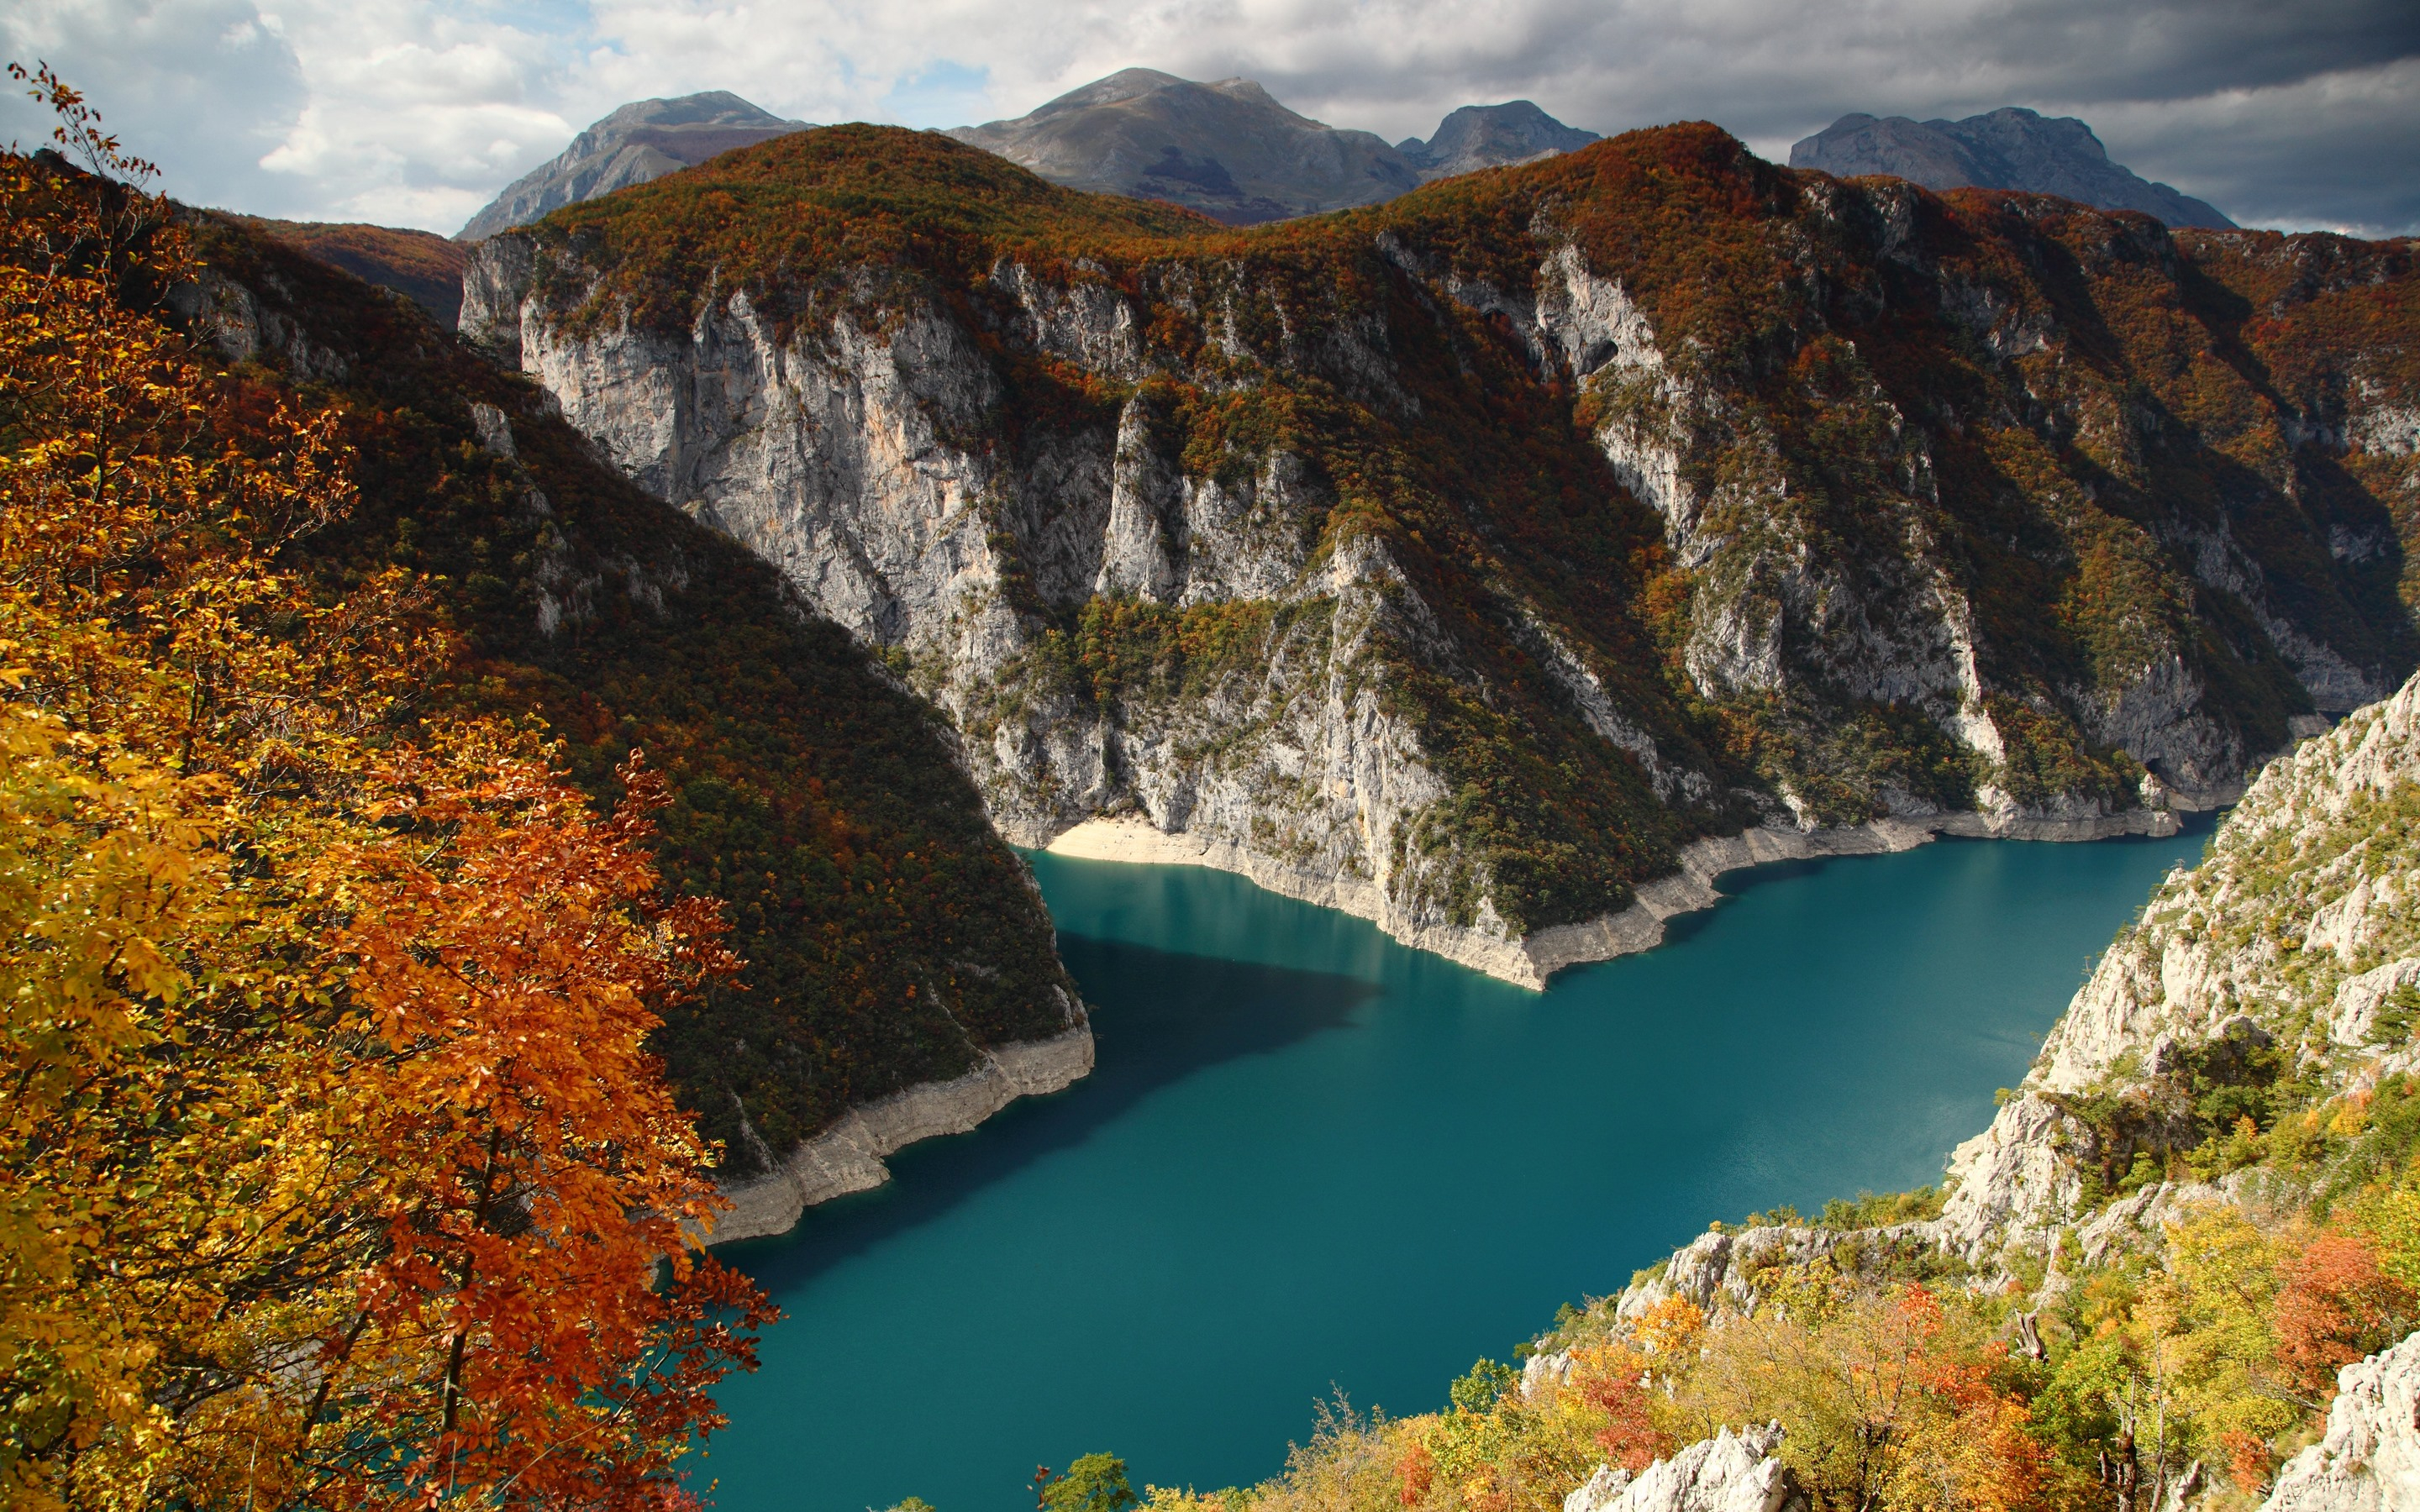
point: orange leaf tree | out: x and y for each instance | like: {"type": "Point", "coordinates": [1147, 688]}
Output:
{"type": "Point", "coordinates": [333, 1169]}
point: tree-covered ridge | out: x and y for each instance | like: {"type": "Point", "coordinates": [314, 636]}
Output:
{"type": "Point", "coordinates": [888, 935]}
{"type": "Point", "coordinates": [422, 266]}
{"type": "Point", "coordinates": [1707, 490]}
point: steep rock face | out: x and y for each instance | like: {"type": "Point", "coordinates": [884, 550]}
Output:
{"type": "Point", "coordinates": [893, 945]}
{"type": "Point", "coordinates": [1462, 558]}
{"type": "Point", "coordinates": [2302, 900]}
{"type": "Point", "coordinates": [1228, 149]}
{"type": "Point", "coordinates": [2291, 949]}
{"type": "Point", "coordinates": [645, 139]}
{"type": "Point", "coordinates": [2006, 148]}
{"type": "Point", "coordinates": [2370, 1459]}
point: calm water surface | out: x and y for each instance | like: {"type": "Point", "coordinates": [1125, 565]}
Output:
{"type": "Point", "coordinates": [1312, 1160]}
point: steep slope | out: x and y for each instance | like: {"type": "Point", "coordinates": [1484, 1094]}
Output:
{"type": "Point", "coordinates": [1227, 150]}
{"type": "Point", "coordinates": [891, 939]}
{"type": "Point", "coordinates": [1490, 136]}
{"type": "Point", "coordinates": [2008, 149]}
{"type": "Point", "coordinates": [2281, 975]}
{"type": "Point", "coordinates": [2182, 1270]}
{"type": "Point", "coordinates": [2277, 969]}
{"type": "Point", "coordinates": [1502, 562]}
{"type": "Point", "coordinates": [2204, 1190]}
{"type": "Point", "coordinates": [645, 139]}
{"type": "Point", "coordinates": [422, 266]}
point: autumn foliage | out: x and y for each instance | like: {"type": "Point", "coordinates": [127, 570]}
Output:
{"type": "Point", "coordinates": [336, 1171]}
{"type": "Point", "coordinates": [2336, 1306]}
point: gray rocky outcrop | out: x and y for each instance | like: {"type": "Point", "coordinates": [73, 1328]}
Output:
{"type": "Point", "coordinates": [1728, 1473]}
{"type": "Point", "coordinates": [2370, 1461]}
{"type": "Point", "coordinates": [1722, 1271]}
{"type": "Point", "coordinates": [2006, 149]}
{"type": "Point", "coordinates": [2302, 898]}
{"type": "Point", "coordinates": [639, 142]}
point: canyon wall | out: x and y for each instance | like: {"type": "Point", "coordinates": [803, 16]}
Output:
{"type": "Point", "coordinates": [1461, 563]}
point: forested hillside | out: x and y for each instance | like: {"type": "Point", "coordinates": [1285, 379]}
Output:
{"type": "Point", "coordinates": [340, 1170]}
{"type": "Point", "coordinates": [422, 266]}
{"type": "Point", "coordinates": [889, 935]}
{"type": "Point", "coordinates": [1459, 560]}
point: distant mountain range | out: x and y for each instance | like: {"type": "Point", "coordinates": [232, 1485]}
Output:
{"type": "Point", "coordinates": [2008, 149]}
{"type": "Point", "coordinates": [1231, 151]}
{"type": "Point", "coordinates": [1228, 149]}
{"type": "Point", "coordinates": [644, 140]}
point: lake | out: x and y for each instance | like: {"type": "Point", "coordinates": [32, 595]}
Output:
{"type": "Point", "coordinates": [1311, 1160]}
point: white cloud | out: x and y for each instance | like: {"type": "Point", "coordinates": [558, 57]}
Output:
{"type": "Point", "coordinates": [203, 87]}
{"type": "Point", "coordinates": [419, 111]}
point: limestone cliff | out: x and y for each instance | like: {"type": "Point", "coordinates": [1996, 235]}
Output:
{"type": "Point", "coordinates": [2289, 938]}
{"type": "Point", "coordinates": [2293, 949]}
{"type": "Point", "coordinates": [1476, 561]}
{"type": "Point", "coordinates": [2370, 1461]}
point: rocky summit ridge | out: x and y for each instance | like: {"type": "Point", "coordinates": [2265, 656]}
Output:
{"type": "Point", "coordinates": [2006, 149]}
{"type": "Point", "coordinates": [1490, 136]}
{"type": "Point", "coordinates": [638, 142]}
{"type": "Point", "coordinates": [1226, 148]}
{"type": "Point", "coordinates": [1477, 561]}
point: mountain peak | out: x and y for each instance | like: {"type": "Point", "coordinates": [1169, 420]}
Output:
{"type": "Point", "coordinates": [1232, 149]}
{"type": "Point", "coordinates": [1492, 136]}
{"type": "Point", "coordinates": [2012, 147]}
{"type": "Point", "coordinates": [642, 140]}
{"type": "Point", "coordinates": [1227, 149]}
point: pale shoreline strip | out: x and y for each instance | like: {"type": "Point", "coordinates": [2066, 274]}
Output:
{"type": "Point", "coordinates": [1528, 960]}
{"type": "Point", "coordinates": [847, 1157]}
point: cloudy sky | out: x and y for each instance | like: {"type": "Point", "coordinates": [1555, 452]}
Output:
{"type": "Point", "coordinates": [415, 112]}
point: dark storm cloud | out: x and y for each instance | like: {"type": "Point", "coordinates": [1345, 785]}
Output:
{"type": "Point", "coordinates": [2306, 115]}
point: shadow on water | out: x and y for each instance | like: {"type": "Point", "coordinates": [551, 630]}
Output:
{"type": "Point", "coordinates": [1175, 1014]}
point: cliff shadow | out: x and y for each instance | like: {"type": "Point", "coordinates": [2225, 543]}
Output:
{"type": "Point", "coordinates": [1159, 1017]}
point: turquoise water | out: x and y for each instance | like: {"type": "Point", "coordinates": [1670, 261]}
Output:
{"type": "Point", "coordinates": [1311, 1160]}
